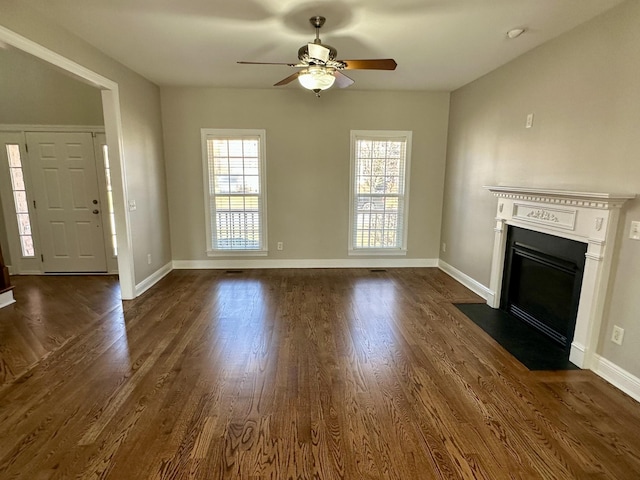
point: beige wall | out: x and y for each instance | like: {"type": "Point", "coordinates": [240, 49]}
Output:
{"type": "Point", "coordinates": [142, 132]}
{"type": "Point", "coordinates": [584, 89]}
{"type": "Point", "coordinates": [307, 162]}
{"type": "Point", "coordinates": [33, 92]}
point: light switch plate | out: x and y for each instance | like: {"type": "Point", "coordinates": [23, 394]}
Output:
{"type": "Point", "coordinates": [529, 122]}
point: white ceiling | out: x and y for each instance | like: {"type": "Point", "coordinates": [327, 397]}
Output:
{"type": "Point", "coordinates": [438, 44]}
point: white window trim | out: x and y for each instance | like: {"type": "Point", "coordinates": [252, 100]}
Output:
{"type": "Point", "coordinates": [386, 134]}
{"type": "Point", "coordinates": [206, 133]}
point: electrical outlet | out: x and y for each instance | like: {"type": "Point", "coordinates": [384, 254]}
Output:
{"type": "Point", "coordinates": [617, 335]}
{"type": "Point", "coordinates": [635, 231]}
{"type": "Point", "coordinates": [444, 247]}
{"type": "Point", "coordinates": [280, 246]}
{"type": "Point", "coordinates": [148, 259]}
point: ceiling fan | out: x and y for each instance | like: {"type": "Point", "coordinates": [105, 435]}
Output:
{"type": "Point", "coordinates": [320, 69]}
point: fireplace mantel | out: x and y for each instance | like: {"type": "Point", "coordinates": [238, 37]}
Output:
{"type": "Point", "coordinates": [588, 217]}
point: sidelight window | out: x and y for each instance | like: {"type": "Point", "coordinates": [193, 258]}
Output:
{"type": "Point", "coordinates": [20, 200]}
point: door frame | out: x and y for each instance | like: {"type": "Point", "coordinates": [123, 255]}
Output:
{"type": "Point", "coordinates": [114, 132]}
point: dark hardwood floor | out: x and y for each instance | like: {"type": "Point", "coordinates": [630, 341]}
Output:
{"type": "Point", "coordinates": [279, 374]}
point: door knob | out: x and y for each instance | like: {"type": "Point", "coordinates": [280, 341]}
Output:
{"type": "Point", "coordinates": [95, 202]}
{"type": "Point", "coordinates": [96, 212]}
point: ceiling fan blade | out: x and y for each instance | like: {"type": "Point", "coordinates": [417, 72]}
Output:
{"type": "Point", "coordinates": [318, 52]}
{"type": "Point", "coordinates": [374, 64]}
{"type": "Point", "coordinates": [287, 80]}
{"type": "Point", "coordinates": [269, 63]}
{"type": "Point", "coordinates": [342, 81]}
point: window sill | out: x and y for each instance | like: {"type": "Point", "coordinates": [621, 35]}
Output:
{"type": "Point", "coordinates": [378, 252]}
{"type": "Point", "coordinates": [237, 253]}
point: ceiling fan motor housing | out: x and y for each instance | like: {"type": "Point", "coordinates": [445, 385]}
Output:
{"type": "Point", "coordinates": [316, 56]}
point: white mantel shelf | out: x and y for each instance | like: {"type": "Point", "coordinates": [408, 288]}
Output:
{"type": "Point", "coordinates": [565, 197]}
{"type": "Point", "coordinates": [588, 217]}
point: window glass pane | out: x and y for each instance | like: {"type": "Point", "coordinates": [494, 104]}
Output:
{"type": "Point", "coordinates": [112, 223]}
{"type": "Point", "coordinates": [24, 225]}
{"type": "Point", "coordinates": [20, 199]}
{"type": "Point", "coordinates": [221, 166]}
{"type": "Point", "coordinates": [105, 156]}
{"type": "Point", "coordinates": [222, 203]}
{"type": "Point", "coordinates": [222, 184]}
{"type": "Point", "coordinates": [13, 152]}
{"type": "Point", "coordinates": [251, 184]}
{"type": "Point", "coordinates": [251, 203]}
{"type": "Point", "coordinates": [110, 200]}
{"type": "Point", "coordinates": [236, 184]}
{"type": "Point", "coordinates": [236, 166]}
{"type": "Point", "coordinates": [251, 148]}
{"type": "Point", "coordinates": [236, 203]}
{"type": "Point", "coordinates": [391, 204]}
{"type": "Point", "coordinates": [17, 179]}
{"type": "Point", "coordinates": [26, 243]}
{"type": "Point", "coordinates": [251, 166]}
{"type": "Point", "coordinates": [235, 148]}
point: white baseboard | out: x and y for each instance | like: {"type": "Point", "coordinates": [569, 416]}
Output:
{"type": "Point", "coordinates": [618, 377]}
{"type": "Point", "coordinates": [6, 299]}
{"type": "Point", "coordinates": [152, 279]}
{"type": "Point", "coordinates": [473, 285]}
{"type": "Point", "coordinates": [221, 263]}
{"type": "Point", "coordinates": [576, 354]}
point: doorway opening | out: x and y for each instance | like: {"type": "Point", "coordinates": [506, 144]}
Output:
{"type": "Point", "coordinates": [113, 129]}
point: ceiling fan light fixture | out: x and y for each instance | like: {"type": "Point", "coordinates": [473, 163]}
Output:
{"type": "Point", "coordinates": [316, 78]}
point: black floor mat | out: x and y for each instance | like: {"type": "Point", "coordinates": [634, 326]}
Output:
{"type": "Point", "coordinates": [530, 347]}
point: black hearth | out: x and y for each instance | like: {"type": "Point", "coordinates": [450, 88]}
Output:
{"type": "Point", "coordinates": [542, 280]}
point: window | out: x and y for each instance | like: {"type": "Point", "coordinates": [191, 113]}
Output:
{"type": "Point", "coordinates": [112, 214]}
{"type": "Point", "coordinates": [379, 192]}
{"type": "Point", "coordinates": [235, 203]}
{"type": "Point", "coordinates": [20, 200]}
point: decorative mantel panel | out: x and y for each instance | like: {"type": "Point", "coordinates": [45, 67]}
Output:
{"type": "Point", "coordinates": [587, 217]}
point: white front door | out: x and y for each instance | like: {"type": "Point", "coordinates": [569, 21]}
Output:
{"type": "Point", "coordinates": [65, 189]}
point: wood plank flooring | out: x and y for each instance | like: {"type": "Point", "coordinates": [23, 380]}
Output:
{"type": "Point", "coordinates": [289, 374]}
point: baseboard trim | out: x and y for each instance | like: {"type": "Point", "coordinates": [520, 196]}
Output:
{"type": "Point", "coordinates": [473, 285]}
{"type": "Point", "coordinates": [617, 376]}
{"type": "Point", "coordinates": [576, 354]}
{"type": "Point", "coordinates": [152, 279]}
{"type": "Point", "coordinates": [305, 263]}
{"type": "Point", "coordinates": [6, 299]}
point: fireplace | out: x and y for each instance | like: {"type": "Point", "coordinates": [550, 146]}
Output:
{"type": "Point", "coordinates": [587, 218]}
{"type": "Point", "coordinates": [542, 280]}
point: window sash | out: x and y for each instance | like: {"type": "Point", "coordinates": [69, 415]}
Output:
{"type": "Point", "coordinates": [379, 192]}
{"type": "Point", "coordinates": [234, 175]}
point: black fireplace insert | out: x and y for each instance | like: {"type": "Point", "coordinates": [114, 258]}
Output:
{"type": "Point", "coordinates": [542, 280]}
